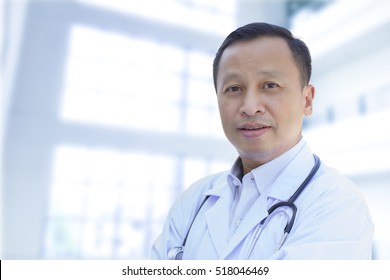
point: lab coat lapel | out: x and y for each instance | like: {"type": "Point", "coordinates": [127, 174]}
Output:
{"type": "Point", "coordinates": [254, 216]}
{"type": "Point", "coordinates": [217, 217]}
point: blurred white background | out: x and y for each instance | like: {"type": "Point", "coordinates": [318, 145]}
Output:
{"type": "Point", "coordinates": [108, 112]}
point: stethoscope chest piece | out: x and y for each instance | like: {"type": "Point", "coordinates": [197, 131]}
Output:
{"type": "Point", "coordinates": [176, 253]}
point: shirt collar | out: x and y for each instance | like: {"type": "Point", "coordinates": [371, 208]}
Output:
{"type": "Point", "coordinates": [267, 173]}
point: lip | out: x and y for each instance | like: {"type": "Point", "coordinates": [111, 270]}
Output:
{"type": "Point", "coordinates": [253, 130]}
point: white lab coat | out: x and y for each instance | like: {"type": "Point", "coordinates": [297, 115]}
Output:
{"type": "Point", "coordinates": [332, 221]}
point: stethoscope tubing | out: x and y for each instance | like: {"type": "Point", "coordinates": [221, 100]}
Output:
{"type": "Point", "coordinates": [290, 203]}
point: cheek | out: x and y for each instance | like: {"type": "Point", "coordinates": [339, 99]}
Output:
{"type": "Point", "coordinates": [227, 111]}
{"type": "Point", "coordinates": [291, 118]}
{"type": "Point", "coordinates": [226, 120]}
{"type": "Point", "coordinates": [287, 113]}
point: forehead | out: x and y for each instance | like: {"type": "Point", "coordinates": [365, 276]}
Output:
{"type": "Point", "coordinates": [265, 54]}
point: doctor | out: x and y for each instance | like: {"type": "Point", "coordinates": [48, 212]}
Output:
{"type": "Point", "coordinates": [261, 76]}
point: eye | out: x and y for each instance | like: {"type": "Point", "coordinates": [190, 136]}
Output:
{"type": "Point", "coordinates": [268, 85]}
{"type": "Point", "coordinates": [233, 89]}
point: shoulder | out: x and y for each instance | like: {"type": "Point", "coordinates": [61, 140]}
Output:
{"type": "Point", "coordinates": [189, 201]}
{"type": "Point", "coordinates": [198, 190]}
{"type": "Point", "coordinates": [332, 182]}
{"type": "Point", "coordinates": [332, 192]}
{"type": "Point", "coordinates": [333, 214]}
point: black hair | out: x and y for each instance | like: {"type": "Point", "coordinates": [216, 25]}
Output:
{"type": "Point", "coordinates": [255, 30]}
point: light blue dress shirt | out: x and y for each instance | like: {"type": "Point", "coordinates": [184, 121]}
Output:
{"type": "Point", "coordinates": [332, 221]}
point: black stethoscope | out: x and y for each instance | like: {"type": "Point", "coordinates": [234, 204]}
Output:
{"type": "Point", "coordinates": [176, 253]}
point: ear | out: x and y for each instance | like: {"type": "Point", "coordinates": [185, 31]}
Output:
{"type": "Point", "coordinates": [308, 94]}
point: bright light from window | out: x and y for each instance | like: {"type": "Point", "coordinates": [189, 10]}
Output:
{"type": "Point", "coordinates": [122, 82]}
{"type": "Point", "coordinates": [118, 81]}
{"type": "Point", "coordinates": [107, 203]}
{"type": "Point", "coordinates": [196, 14]}
{"type": "Point", "coordinates": [111, 203]}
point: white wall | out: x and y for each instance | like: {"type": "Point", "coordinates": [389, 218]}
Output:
{"type": "Point", "coordinates": [12, 14]}
{"type": "Point", "coordinates": [2, 114]}
{"type": "Point", "coordinates": [350, 43]}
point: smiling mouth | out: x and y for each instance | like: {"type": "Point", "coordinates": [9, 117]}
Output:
{"type": "Point", "coordinates": [253, 130]}
{"type": "Point", "coordinates": [252, 127]}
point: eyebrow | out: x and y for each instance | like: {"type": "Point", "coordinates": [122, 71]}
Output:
{"type": "Point", "coordinates": [230, 76]}
{"type": "Point", "coordinates": [235, 75]}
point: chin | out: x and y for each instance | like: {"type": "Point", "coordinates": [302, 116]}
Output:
{"type": "Point", "coordinates": [256, 155]}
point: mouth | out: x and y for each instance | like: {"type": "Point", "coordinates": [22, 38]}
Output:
{"type": "Point", "coordinates": [252, 126]}
{"type": "Point", "coordinates": [253, 130]}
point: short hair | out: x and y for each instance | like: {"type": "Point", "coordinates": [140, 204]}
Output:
{"type": "Point", "coordinates": [251, 31]}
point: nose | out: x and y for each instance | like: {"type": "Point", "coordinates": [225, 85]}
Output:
{"type": "Point", "coordinates": [252, 104]}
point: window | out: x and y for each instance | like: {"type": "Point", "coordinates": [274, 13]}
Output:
{"type": "Point", "coordinates": [217, 13]}
{"type": "Point", "coordinates": [111, 202]}
{"type": "Point", "coordinates": [105, 203]}
{"type": "Point", "coordinates": [114, 80]}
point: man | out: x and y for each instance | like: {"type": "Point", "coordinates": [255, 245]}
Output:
{"type": "Point", "coordinates": [261, 76]}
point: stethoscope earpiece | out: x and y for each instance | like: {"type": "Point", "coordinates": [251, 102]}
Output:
{"type": "Point", "coordinates": [176, 253]}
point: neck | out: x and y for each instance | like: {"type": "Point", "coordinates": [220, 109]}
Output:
{"type": "Point", "coordinates": [252, 162]}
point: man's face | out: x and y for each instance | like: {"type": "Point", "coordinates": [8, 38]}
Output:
{"type": "Point", "coordinates": [261, 100]}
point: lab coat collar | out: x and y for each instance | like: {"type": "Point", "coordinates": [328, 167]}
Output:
{"type": "Point", "coordinates": [293, 176]}
{"type": "Point", "coordinates": [219, 187]}
{"type": "Point", "coordinates": [280, 188]}
{"type": "Point", "coordinates": [267, 174]}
